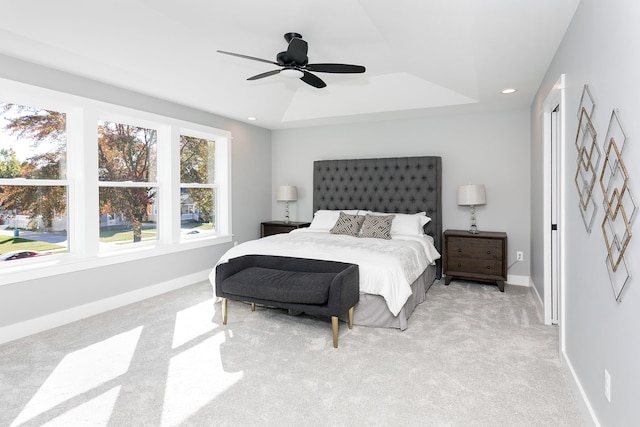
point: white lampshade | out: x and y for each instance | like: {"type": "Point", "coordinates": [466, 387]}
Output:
{"type": "Point", "coordinates": [287, 193]}
{"type": "Point", "coordinates": [472, 195]}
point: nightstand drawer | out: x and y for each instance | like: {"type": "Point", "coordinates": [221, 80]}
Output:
{"type": "Point", "coordinates": [491, 267]}
{"type": "Point", "coordinates": [475, 248]}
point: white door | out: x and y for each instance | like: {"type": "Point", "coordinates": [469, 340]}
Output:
{"type": "Point", "coordinates": [553, 135]}
{"type": "Point", "coordinates": [554, 139]}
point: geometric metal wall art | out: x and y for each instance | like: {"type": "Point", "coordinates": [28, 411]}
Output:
{"type": "Point", "coordinates": [586, 101]}
{"type": "Point", "coordinates": [619, 206]}
{"type": "Point", "coordinates": [588, 159]}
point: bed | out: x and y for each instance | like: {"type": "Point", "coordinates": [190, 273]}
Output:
{"type": "Point", "coordinates": [395, 272]}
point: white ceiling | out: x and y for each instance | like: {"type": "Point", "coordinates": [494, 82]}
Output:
{"type": "Point", "coordinates": [422, 56]}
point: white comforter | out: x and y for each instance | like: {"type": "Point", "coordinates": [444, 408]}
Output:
{"type": "Point", "coordinates": [387, 267]}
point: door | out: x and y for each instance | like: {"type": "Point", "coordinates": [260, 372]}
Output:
{"type": "Point", "coordinates": [554, 179]}
{"type": "Point", "coordinates": [553, 192]}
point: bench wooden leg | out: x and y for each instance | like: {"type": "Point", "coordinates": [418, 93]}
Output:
{"type": "Point", "coordinates": [253, 306]}
{"type": "Point", "coordinates": [351, 317]}
{"type": "Point", "coordinates": [334, 328]}
{"type": "Point", "coordinates": [224, 311]}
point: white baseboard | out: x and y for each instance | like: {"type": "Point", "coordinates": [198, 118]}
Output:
{"type": "Point", "coordinates": [569, 373]}
{"type": "Point", "coordinates": [537, 297]}
{"type": "Point", "coordinates": [53, 320]}
{"type": "Point", "coordinates": [578, 392]}
{"type": "Point", "coordinates": [515, 279]}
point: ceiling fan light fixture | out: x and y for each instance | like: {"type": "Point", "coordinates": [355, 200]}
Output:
{"type": "Point", "coordinates": [292, 73]}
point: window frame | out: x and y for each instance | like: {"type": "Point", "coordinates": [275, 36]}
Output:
{"type": "Point", "coordinates": [83, 184]}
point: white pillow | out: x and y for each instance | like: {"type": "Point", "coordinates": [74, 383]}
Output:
{"type": "Point", "coordinates": [407, 224]}
{"type": "Point", "coordinates": [326, 219]}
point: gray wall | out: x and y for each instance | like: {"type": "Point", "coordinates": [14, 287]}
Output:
{"type": "Point", "coordinates": [491, 149]}
{"type": "Point", "coordinates": [251, 177]}
{"type": "Point", "coordinates": [600, 49]}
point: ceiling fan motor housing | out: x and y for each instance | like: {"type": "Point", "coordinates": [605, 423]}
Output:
{"type": "Point", "coordinates": [285, 58]}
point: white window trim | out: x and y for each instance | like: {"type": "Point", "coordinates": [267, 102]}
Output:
{"type": "Point", "coordinates": [83, 115]}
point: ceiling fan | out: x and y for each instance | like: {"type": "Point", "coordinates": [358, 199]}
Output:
{"type": "Point", "coordinates": [294, 62]}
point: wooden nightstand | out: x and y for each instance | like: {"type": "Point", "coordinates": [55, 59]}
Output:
{"type": "Point", "coordinates": [268, 228]}
{"type": "Point", "coordinates": [481, 257]}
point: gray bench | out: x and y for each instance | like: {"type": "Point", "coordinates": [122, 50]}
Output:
{"type": "Point", "coordinates": [316, 287]}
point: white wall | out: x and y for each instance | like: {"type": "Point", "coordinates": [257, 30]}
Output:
{"type": "Point", "coordinates": [491, 149]}
{"type": "Point", "coordinates": [600, 49]}
{"type": "Point", "coordinates": [35, 303]}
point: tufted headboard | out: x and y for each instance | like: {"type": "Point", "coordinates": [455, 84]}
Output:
{"type": "Point", "coordinates": [397, 184]}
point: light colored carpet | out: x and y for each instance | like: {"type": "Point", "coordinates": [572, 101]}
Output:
{"type": "Point", "coordinates": [472, 356]}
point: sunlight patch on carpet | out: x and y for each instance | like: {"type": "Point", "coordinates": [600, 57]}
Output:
{"type": "Point", "coordinates": [83, 371]}
{"type": "Point", "coordinates": [192, 322]}
{"type": "Point", "coordinates": [195, 378]}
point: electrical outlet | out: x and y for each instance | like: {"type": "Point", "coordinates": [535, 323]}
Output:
{"type": "Point", "coordinates": [607, 385]}
{"type": "Point", "coordinates": [519, 256]}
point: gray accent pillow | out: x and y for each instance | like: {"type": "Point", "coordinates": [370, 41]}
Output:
{"type": "Point", "coordinates": [377, 226]}
{"type": "Point", "coordinates": [348, 224]}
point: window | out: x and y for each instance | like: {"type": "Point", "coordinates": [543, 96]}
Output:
{"type": "Point", "coordinates": [93, 183]}
{"type": "Point", "coordinates": [197, 186]}
{"type": "Point", "coordinates": [127, 164]}
{"type": "Point", "coordinates": [33, 186]}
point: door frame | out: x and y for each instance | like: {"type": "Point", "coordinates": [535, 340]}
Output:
{"type": "Point", "coordinates": [555, 99]}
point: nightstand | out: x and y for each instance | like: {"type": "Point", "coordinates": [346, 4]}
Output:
{"type": "Point", "coordinates": [481, 257]}
{"type": "Point", "coordinates": [268, 228]}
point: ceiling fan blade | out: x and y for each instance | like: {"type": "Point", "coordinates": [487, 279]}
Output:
{"type": "Point", "coordinates": [262, 75]}
{"type": "Point", "coordinates": [312, 80]}
{"type": "Point", "coordinates": [335, 68]}
{"type": "Point", "coordinates": [297, 51]}
{"type": "Point", "coordinates": [248, 57]}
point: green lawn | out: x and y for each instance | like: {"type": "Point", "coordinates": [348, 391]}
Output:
{"type": "Point", "coordinates": [126, 236]}
{"type": "Point", "coordinates": [10, 243]}
{"type": "Point", "coordinates": [193, 225]}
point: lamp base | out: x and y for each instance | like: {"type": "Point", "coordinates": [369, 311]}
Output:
{"type": "Point", "coordinates": [286, 213]}
{"type": "Point", "coordinates": [473, 229]}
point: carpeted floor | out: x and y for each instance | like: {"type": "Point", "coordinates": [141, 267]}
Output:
{"type": "Point", "coordinates": [472, 356]}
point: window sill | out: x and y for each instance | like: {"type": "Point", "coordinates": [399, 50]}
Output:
{"type": "Point", "coordinates": [68, 263]}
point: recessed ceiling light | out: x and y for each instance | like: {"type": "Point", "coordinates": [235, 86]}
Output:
{"type": "Point", "coordinates": [509, 90]}
{"type": "Point", "coordinates": [252, 119]}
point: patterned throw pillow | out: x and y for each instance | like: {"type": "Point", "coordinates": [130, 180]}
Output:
{"type": "Point", "coordinates": [348, 224]}
{"type": "Point", "coordinates": [377, 226]}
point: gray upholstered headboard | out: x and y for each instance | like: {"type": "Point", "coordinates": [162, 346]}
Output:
{"type": "Point", "coordinates": [398, 184]}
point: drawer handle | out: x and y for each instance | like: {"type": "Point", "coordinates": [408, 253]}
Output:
{"type": "Point", "coordinates": [459, 250]}
{"type": "Point", "coordinates": [488, 252]}
{"type": "Point", "coordinates": [459, 265]}
{"type": "Point", "coordinates": [488, 267]}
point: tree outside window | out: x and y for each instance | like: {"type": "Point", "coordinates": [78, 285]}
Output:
{"type": "Point", "coordinates": [197, 185]}
{"type": "Point", "coordinates": [33, 188]}
{"type": "Point", "coordinates": [127, 171]}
